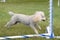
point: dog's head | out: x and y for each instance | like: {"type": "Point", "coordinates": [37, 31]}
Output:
{"type": "Point", "coordinates": [39, 16]}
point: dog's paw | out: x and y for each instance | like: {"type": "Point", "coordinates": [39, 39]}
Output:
{"type": "Point", "coordinates": [6, 26]}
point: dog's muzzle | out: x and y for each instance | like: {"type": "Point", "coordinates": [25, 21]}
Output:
{"type": "Point", "coordinates": [43, 20]}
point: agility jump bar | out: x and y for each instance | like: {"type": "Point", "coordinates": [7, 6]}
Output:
{"type": "Point", "coordinates": [24, 36]}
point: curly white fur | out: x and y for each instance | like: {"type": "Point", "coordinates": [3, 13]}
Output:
{"type": "Point", "coordinates": [31, 20]}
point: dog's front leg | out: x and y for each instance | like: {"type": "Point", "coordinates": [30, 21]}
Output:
{"type": "Point", "coordinates": [38, 26]}
{"type": "Point", "coordinates": [33, 27]}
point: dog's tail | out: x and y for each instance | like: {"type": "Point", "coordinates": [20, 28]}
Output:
{"type": "Point", "coordinates": [11, 13]}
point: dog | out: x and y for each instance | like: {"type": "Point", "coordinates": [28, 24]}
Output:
{"type": "Point", "coordinates": [30, 20]}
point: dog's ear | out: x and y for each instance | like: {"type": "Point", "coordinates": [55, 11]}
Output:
{"type": "Point", "coordinates": [36, 18]}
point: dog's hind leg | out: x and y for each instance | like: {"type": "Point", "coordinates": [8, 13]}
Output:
{"type": "Point", "coordinates": [16, 22]}
{"type": "Point", "coordinates": [10, 23]}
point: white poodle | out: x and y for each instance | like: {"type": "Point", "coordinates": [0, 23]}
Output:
{"type": "Point", "coordinates": [30, 20]}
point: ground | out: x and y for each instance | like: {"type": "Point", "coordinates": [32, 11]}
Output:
{"type": "Point", "coordinates": [28, 8]}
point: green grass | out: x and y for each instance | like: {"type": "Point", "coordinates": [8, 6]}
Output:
{"type": "Point", "coordinates": [28, 8]}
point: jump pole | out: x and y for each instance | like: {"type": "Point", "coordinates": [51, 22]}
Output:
{"type": "Point", "coordinates": [51, 19]}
